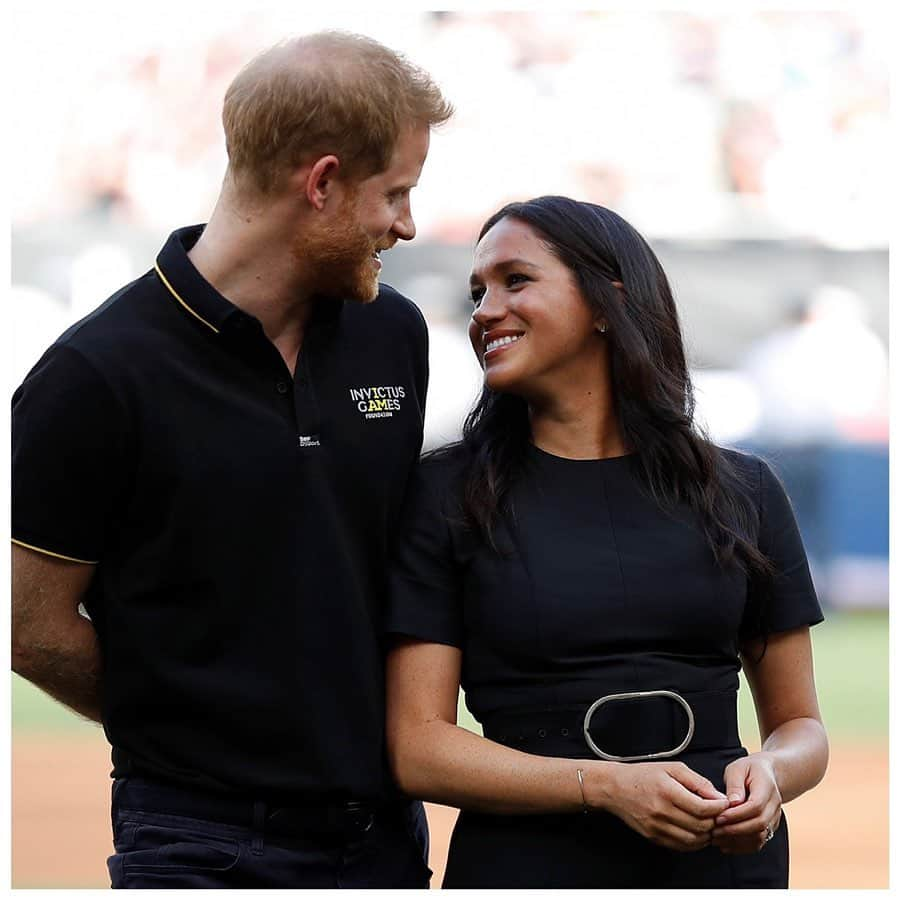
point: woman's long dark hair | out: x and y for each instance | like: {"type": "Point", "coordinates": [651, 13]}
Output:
{"type": "Point", "coordinates": [651, 387]}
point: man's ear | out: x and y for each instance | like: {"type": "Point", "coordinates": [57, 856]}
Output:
{"type": "Point", "coordinates": [320, 180]}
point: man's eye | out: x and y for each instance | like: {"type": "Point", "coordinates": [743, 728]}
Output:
{"type": "Point", "coordinates": [477, 293]}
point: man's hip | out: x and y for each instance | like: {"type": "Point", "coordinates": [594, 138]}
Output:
{"type": "Point", "coordinates": [170, 836]}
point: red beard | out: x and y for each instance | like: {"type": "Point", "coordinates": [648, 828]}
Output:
{"type": "Point", "coordinates": [340, 260]}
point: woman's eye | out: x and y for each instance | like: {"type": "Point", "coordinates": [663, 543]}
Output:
{"type": "Point", "coordinates": [515, 278]}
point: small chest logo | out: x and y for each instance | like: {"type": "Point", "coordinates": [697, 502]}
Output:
{"type": "Point", "coordinates": [378, 402]}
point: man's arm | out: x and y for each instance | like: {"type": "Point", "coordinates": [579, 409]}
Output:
{"type": "Point", "coordinates": [53, 645]}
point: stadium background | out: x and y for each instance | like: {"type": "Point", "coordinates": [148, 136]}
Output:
{"type": "Point", "coordinates": [750, 148]}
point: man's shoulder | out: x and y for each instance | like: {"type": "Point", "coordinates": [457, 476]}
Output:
{"type": "Point", "coordinates": [391, 298]}
{"type": "Point", "coordinates": [104, 341]}
{"type": "Point", "coordinates": [117, 317]}
{"type": "Point", "coordinates": [390, 306]}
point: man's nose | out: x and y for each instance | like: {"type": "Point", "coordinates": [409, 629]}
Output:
{"type": "Point", "coordinates": [404, 226]}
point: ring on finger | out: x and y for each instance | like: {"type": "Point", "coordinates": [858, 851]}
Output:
{"type": "Point", "coordinates": [770, 833]}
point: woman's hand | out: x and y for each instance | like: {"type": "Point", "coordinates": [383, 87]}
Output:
{"type": "Point", "coordinates": [666, 802]}
{"type": "Point", "coordinates": [754, 812]}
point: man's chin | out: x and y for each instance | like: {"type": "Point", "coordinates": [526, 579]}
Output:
{"type": "Point", "coordinates": [365, 293]}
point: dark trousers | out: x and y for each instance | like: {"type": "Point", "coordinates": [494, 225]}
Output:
{"type": "Point", "coordinates": [159, 845]}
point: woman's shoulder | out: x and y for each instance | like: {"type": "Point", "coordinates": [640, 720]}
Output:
{"type": "Point", "coordinates": [744, 461]}
{"type": "Point", "coordinates": [442, 469]}
{"type": "Point", "coordinates": [448, 459]}
{"type": "Point", "coordinates": [750, 470]}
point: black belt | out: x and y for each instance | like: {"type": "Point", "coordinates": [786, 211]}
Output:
{"type": "Point", "coordinates": [349, 818]}
{"type": "Point", "coordinates": [638, 724]}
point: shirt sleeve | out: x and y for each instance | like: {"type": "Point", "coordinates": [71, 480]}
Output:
{"type": "Point", "coordinates": [67, 458]}
{"type": "Point", "coordinates": [425, 599]}
{"type": "Point", "coordinates": [790, 601]}
{"type": "Point", "coordinates": [424, 369]}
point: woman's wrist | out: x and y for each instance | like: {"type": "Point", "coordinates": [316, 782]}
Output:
{"type": "Point", "coordinates": [770, 761]}
{"type": "Point", "coordinates": [598, 780]}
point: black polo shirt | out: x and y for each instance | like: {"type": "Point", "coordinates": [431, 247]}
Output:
{"type": "Point", "coordinates": [240, 518]}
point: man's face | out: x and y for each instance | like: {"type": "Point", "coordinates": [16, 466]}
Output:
{"type": "Point", "coordinates": [374, 214]}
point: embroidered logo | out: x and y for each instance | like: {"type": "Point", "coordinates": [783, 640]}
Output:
{"type": "Point", "coordinates": [309, 440]}
{"type": "Point", "coordinates": [378, 402]}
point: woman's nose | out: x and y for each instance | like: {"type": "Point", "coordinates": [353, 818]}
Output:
{"type": "Point", "coordinates": [488, 310]}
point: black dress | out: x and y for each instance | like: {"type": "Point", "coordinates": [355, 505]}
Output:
{"type": "Point", "coordinates": [598, 590]}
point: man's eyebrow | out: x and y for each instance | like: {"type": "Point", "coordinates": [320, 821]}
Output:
{"type": "Point", "coordinates": [504, 264]}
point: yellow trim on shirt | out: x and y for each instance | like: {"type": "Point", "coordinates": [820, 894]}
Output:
{"type": "Point", "coordinates": [174, 293]}
{"type": "Point", "coordinates": [87, 562]}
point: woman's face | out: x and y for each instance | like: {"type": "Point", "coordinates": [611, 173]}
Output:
{"type": "Point", "coordinates": [531, 328]}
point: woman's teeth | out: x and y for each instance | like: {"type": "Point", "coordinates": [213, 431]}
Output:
{"type": "Point", "coordinates": [501, 341]}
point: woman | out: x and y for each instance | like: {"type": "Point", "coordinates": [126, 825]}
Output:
{"type": "Point", "coordinates": [585, 541]}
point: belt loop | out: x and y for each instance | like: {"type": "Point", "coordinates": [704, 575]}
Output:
{"type": "Point", "coordinates": [259, 822]}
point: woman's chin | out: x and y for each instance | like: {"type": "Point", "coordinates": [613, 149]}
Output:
{"type": "Point", "coordinates": [500, 383]}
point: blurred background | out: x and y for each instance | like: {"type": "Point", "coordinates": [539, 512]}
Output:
{"type": "Point", "coordinates": [751, 150]}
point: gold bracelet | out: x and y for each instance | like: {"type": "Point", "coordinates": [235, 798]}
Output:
{"type": "Point", "coordinates": [585, 808]}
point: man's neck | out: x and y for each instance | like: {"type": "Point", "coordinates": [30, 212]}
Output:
{"type": "Point", "coordinates": [242, 253]}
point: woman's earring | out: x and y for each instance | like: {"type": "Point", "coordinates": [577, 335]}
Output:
{"type": "Point", "coordinates": [603, 327]}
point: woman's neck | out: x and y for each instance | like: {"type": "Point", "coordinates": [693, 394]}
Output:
{"type": "Point", "coordinates": [578, 426]}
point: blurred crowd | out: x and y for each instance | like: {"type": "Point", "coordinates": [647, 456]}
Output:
{"type": "Point", "coordinates": [692, 125]}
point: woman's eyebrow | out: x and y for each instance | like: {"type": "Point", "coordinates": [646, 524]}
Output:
{"type": "Point", "coordinates": [504, 264]}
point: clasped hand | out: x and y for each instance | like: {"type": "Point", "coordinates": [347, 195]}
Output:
{"type": "Point", "coordinates": [754, 805]}
{"type": "Point", "coordinates": [667, 802]}
{"type": "Point", "coordinates": [673, 806]}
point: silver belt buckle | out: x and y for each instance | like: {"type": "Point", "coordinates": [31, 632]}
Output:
{"type": "Point", "coordinates": [638, 695]}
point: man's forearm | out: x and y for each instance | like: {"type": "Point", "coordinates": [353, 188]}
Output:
{"type": "Point", "coordinates": [66, 666]}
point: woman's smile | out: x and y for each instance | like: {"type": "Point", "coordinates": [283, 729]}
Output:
{"type": "Point", "coordinates": [494, 345]}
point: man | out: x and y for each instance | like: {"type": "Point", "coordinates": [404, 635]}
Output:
{"type": "Point", "coordinates": [212, 463]}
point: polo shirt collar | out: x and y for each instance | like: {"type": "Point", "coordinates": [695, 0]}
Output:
{"type": "Point", "coordinates": [186, 285]}
{"type": "Point", "coordinates": [198, 297]}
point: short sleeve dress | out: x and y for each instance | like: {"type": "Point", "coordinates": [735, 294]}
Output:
{"type": "Point", "coordinates": [596, 590]}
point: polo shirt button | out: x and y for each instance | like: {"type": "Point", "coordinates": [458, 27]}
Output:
{"type": "Point", "coordinates": [281, 387]}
